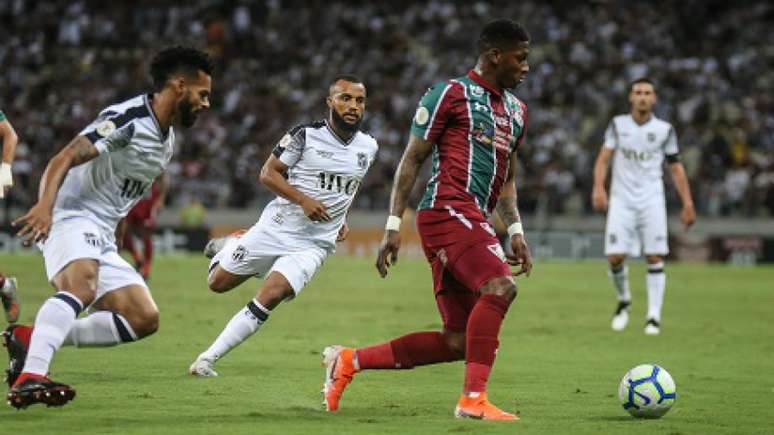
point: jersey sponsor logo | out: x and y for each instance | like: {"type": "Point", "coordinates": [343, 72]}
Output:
{"type": "Point", "coordinates": [92, 239]}
{"type": "Point", "coordinates": [338, 183]}
{"type": "Point", "coordinates": [483, 134]}
{"type": "Point", "coordinates": [362, 160]}
{"type": "Point", "coordinates": [106, 128]}
{"type": "Point", "coordinates": [422, 115]}
{"type": "Point", "coordinates": [132, 189]}
{"type": "Point", "coordinates": [497, 250]}
{"type": "Point", "coordinates": [480, 107]}
{"type": "Point", "coordinates": [239, 254]}
{"type": "Point", "coordinates": [632, 154]}
{"type": "Point", "coordinates": [324, 154]}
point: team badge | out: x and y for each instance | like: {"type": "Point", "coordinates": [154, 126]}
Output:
{"type": "Point", "coordinates": [422, 115]}
{"type": "Point", "coordinates": [476, 90]}
{"type": "Point", "coordinates": [239, 253]}
{"type": "Point", "coordinates": [651, 137]}
{"type": "Point", "coordinates": [362, 160]}
{"type": "Point", "coordinates": [106, 128]}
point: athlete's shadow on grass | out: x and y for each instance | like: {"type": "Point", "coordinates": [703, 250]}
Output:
{"type": "Point", "coordinates": [620, 418]}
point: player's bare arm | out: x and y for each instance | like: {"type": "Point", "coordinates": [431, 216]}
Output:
{"type": "Point", "coordinates": [688, 214]}
{"type": "Point", "coordinates": [599, 194]}
{"type": "Point", "coordinates": [507, 208]}
{"type": "Point", "coordinates": [406, 175]}
{"type": "Point", "coordinates": [37, 221]}
{"type": "Point", "coordinates": [9, 140]}
{"type": "Point", "coordinates": [273, 176]}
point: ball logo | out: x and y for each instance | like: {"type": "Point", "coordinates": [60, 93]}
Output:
{"type": "Point", "coordinates": [422, 116]}
{"type": "Point", "coordinates": [106, 128]}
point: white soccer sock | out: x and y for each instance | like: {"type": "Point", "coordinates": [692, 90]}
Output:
{"type": "Point", "coordinates": [656, 283]}
{"type": "Point", "coordinates": [244, 324]}
{"type": "Point", "coordinates": [103, 328]}
{"type": "Point", "coordinates": [54, 320]}
{"type": "Point", "coordinates": [620, 278]}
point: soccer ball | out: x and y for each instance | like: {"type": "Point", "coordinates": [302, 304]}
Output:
{"type": "Point", "coordinates": [647, 391]}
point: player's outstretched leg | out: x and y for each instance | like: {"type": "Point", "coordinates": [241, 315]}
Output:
{"type": "Point", "coordinates": [9, 299]}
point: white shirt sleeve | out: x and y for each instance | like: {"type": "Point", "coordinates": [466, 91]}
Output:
{"type": "Point", "coordinates": [290, 148]}
{"type": "Point", "coordinates": [611, 135]}
{"type": "Point", "coordinates": [670, 144]}
{"type": "Point", "coordinates": [106, 135]}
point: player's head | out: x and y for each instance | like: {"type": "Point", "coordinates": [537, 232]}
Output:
{"type": "Point", "coordinates": [187, 73]}
{"type": "Point", "coordinates": [503, 47]}
{"type": "Point", "coordinates": [346, 101]}
{"type": "Point", "coordinates": [642, 94]}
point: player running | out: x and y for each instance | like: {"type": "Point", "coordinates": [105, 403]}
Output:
{"type": "Point", "coordinates": [472, 126]}
{"type": "Point", "coordinates": [315, 170]}
{"type": "Point", "coordinates": [85, 190]}
{"type": "Point", "coordinates": [8, 283]}
{"type": "Point", "coordinates": [636, 212]}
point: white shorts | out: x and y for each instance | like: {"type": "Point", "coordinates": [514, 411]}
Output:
{"type": "Point", "coordinates": [76, 238]}
{"type": "Point", "coordinates": [259, 252]}
{"type": "Point", "coordinates": [636, 229]}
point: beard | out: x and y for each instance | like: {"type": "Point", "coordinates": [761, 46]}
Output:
{"type": "Point", "coordinates": [343, 124]}
{"type": "Point", "coordinates": [187, 115]}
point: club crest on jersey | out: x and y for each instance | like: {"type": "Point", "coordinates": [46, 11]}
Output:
{"type": "Point", "coordinates": [476, 90]}
{"type": "Point", "coordinates": [362, 160]}
{"type": "Point", "coordinates": [651, 137]}
{"type": "Point", "coordinates": [239, 253]}
{"type": "Point", "coordinates": [422, 115]}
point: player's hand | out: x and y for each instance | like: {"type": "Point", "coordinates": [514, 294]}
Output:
{"type": "Point", "coordinates": [343, 231]}
{"type": "Point", "coordinates": [521, 255]}
{"type": "Point", "coordinates": [388, 252]}
{"type": "Point", "coordinates": [314, 210]}
{"type": "Point", "coordinates": [599, 199]}
{"type": "Point", "coordinates": [688, 216]}
{"type": "Point", "coordinates": [36, 224]}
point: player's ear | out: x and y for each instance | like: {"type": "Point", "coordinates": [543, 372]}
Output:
{"type": "Point", "coordinates": [329, 101]}
{"type": "Point", "coordinates": [493, 54]}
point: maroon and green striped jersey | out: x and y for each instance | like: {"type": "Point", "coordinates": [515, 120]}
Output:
{"type": "Point", "coordinates": [474, 129]}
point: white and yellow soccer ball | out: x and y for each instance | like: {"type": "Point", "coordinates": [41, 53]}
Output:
{"type": "Point", "coordinates": [647, 391]}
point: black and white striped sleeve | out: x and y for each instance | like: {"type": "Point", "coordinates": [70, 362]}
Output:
{"type": "Point", "coordinates": [113, 129]}
{"type": "Point", "coordinates": [289, 149]}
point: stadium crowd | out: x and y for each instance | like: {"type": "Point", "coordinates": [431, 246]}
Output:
{"type": "Point", "coordinates": [62, 61]}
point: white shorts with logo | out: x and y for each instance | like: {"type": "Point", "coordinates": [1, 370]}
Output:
{"type": "Point", "coordinates": [634, 229]}
{"type": "Point", "coordinates": [75, 238]}
{"type": "Point", "coordinates": [260, 251]}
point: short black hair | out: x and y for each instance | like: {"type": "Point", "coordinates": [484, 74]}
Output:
{"type": "Point", "coordinates": [500, 34]}
{"type": "Point", "coordinates": [346, 77]}
{"type": "Point", "coordinates": [646, 80]}
{"type": "Point", "coordinates": [179, 59]}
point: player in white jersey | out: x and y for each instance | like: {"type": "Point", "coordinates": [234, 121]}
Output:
{"type": "Point", "coordinates": [639, 143]}
{"type": "Point", "coordinates": [85, 190]}
{"type": "Point", "coordinates": [315, 170]}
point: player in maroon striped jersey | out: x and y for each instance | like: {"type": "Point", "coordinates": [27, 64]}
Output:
{"type": "Point", "coordinates": [472, 126]}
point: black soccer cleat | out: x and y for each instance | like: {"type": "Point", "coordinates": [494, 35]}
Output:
{"type": "Point", "coordinates": [39, 389]}
{"type": "Point", "coordinates": [652, 327]}
{"type": "Point", "coordinates": [17, 354]}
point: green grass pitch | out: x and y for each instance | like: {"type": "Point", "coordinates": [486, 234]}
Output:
{"type": "Point", "coordinates": [558, 365]}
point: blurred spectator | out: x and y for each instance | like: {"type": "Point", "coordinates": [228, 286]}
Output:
{"type": "Point", "coordinates": [64, 61]}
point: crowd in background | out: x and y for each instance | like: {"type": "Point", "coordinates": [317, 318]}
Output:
{"type": "Point", "coordinates": [61, 62]}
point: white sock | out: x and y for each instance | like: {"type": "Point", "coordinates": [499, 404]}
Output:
{"type": "Point", "coordinates": [103, 328]}
{"type": "Point", "coordinates": [656, 283]}
{"type": "Point", "coordinates": [52, 324]}
{"type": "Point", "coordinates": [620, 278]}
{"type": "Point", "coordinates": [244, 324]}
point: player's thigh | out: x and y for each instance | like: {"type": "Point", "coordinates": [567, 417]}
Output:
{"type": "Point", "coordinates": [71, 254]}
{"type": "Point", "coordinates": [251, 255]}
{"type": "Point", "coordinates": [455, 302]}
{"type": "Point", "coordinates": [135, 303]}
{"type": "Point", "coordinates": [620, 229]}
{"type": "Point", "coordinates": [652, 221]}
{"type": "Point", "coordinates": [298, 268]}
{"type": "Point", "coordinates": [79, 277]}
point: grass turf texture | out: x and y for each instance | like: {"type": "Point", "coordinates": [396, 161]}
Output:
{"type": "Point", "coordinates": [559, 363]}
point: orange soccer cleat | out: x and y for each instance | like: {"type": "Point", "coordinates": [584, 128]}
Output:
{"type": "Point", "coordinates": [481, 408]}
{"type": "Point", "coordinates": [340, 368]}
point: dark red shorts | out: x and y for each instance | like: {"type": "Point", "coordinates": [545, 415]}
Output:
{"type": "Point", "coordinates": [464, 254]}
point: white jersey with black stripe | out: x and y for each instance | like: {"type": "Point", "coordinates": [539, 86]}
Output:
{"type": "Point", "coordinates": [325, 167]}
{"type": "Point", "coordinates": [640, 151]}
{"type": "Point", "coordinates": [133, 152]}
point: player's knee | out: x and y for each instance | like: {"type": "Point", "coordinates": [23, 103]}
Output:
{"type": "Point", "coordinates": [654, 259]}
{"type": "Point", "coordinates": [615, 260]}
{"type": "Point", "coordinates": [219, 282]}
{"type": "Point", "coordinates": [145, 322]}
{"type": "Point", "coordinates": [271, 296]}
{"type": "Point", "coordinates": [503, 287]}
{"type": "Point", "coordinates": [455, 341]}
